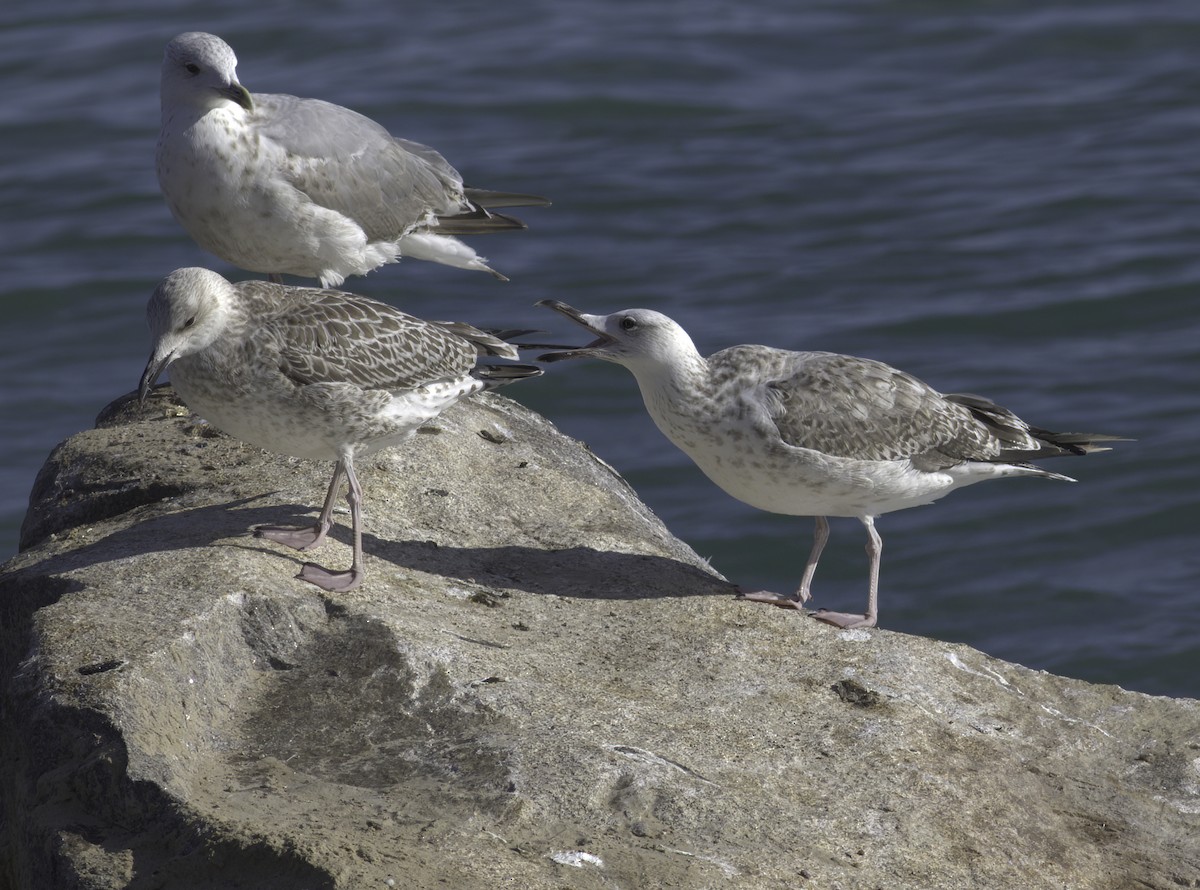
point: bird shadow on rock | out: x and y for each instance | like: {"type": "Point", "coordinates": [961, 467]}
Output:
{"type": "Point", "coordinates": [582, 572]}
{"type": "Point", "coordinates": [578, 571]}
{"type": "Point", "coordinates": [161, 532]}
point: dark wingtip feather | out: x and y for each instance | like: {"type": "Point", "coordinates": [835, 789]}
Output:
{"type": "Point", "coordinates": [502, 375]}
{"type": "Point", "coordinates": [488, 198]}
{"type": "Point", "coordinates": [478, 222]}
{"type": "Point", "coordinates": [1076, 443]}
{"type": "Point", "coordinates": [509, 335]}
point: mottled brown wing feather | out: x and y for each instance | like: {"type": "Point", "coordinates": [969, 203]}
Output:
{"type": "Point", "coordinates": [863, 409]}
{"type": "Point", "coordinates": [332, 337]}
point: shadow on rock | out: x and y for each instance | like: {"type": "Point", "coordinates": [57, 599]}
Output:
{"type": "Point", "coordinates": [570, 572]}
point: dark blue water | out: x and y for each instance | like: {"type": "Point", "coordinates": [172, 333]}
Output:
{"type": "Point", "coordinates": [999, 198]}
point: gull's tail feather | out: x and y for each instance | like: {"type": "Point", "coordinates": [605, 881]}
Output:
{"type": "Point", "coordinates": [1031, 470]}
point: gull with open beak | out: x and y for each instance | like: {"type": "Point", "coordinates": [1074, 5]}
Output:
{"type": "Point", "coordinates": [816, 433]}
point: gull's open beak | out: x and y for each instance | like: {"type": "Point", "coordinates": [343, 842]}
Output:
{"type": "Point", "coordinates": [154, 367]}
{"type": "Point", "coordinates": [238, 94]}
{"type": "Point", "coordinates": [593, 349]}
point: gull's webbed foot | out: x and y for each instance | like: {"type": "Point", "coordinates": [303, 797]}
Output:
{"type": "Point", "coordinates": [844, 620]}
{"type": "Point", "coordinates": [336, 582]}
{"type": "Point", "coordinates": [771, 598]}
{"type": "Point", "coordinates": [298, 537]}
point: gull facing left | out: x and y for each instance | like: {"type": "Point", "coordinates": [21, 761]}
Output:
{"type": "Point", "coordinates": [277, 184]}
{"type": "Point", "coordinates": [316, 374]}
{"type": "Point", "coordinates": [817, 433]}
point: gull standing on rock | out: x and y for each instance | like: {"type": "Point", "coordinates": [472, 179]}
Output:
{"type": "Point", "coordinates": [817, 433]}
{"type": "Point", "coordinates": [315, 374]}
{"type": "Point", "coordinates": [276, 184]}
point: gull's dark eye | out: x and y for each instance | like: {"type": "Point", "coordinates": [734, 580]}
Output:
{"type": "Point", "coordinates": [191, 321]}
{"type": "Point", "coordinates": [629, 324]}
{"type": "Point", "coordinates": [191, 68]}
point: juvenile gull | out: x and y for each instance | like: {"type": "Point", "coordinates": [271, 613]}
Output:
{"type": "Point", "coordinates": [276, 184]}
{"type": "Point", "coordinates": [817, 433]}
{"type": "Point", "coordinates": [315, 374]}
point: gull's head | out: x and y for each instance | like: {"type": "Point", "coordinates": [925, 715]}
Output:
{"type": "Point", "coordinates": [188, 311]}
{"type": "Point", "coordinates": [636, 338]}
{"type": "Point", "coordinates": [200, 70]}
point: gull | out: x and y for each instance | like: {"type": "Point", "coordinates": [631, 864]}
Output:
{"type": "Point", "coordinates": [817, 433]}
{"type": "Point", "coordinates": [276, 184]}
{"type": "Point", "coordinates": [316, 374]}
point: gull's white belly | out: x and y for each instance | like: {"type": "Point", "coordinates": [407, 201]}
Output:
{"type": "Point", "coordinates": [800, 482]}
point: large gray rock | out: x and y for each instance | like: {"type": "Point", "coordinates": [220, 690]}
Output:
{"type": "Point", "coordinates": [536, 687]}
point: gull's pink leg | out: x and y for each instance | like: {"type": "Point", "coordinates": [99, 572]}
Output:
{"type": "Point", "coordinates": [342, 581]}
{"type": "Point", "coordinates": [846, 619]}
{"type": "Point", "coordinates": [820, 536]}
{"type": "Point", "coordinates": [307, 537]}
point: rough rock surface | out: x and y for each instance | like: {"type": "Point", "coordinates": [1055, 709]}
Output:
{"type": "Point", "coordinates": [536, 687]}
